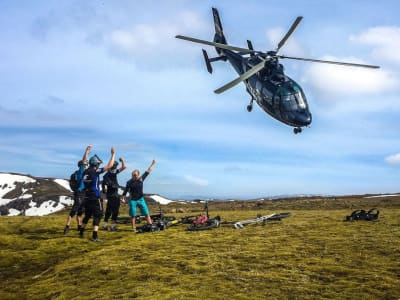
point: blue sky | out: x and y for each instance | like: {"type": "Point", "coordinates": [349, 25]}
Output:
{"type": "Point", "coordinates": [111, 73]}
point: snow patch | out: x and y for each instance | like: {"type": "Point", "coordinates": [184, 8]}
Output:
{"type": "Point", "coordinates": [45, 208]}
{"type": "Point", "coordinates": [66, 200]}
{"type": "Point", "coordinates": [5, 201]}
{"type": "Point", "coordinates": [382, 196]}
{"type": "Point", "coordinates": [8, 182]}
{"type": "Point", "coordinates": [13, 212]}
{"type": "Point", "coordinates": [160, 199]}
{"type": "Point", "coordinates": [64, 183]}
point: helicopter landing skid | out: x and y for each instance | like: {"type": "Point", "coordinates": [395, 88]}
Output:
{"type": "Point", "coordinates": [297, 130]}
{"type": "Point", "coordinates": [250, 106]}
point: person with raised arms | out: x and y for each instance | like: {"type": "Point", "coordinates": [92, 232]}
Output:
{"type": "Point", "coordinates": [135, 189]}
{"type": "Point", "coordinates": [93, 207]}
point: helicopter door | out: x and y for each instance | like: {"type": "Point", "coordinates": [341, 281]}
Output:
{"type": "Point", "coordinates": [276, 105]}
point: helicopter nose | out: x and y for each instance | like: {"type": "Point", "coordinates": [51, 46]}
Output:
{"type": "Point", "coordinates": [304, 119]}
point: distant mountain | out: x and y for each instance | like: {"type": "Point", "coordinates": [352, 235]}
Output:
{"type": "Point", "coordinates": [32, 196]}
{"type": "Point", "coordinates": [36, 196]}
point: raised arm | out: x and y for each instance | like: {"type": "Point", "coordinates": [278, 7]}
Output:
{"type": "Point", "coordinates": [123, 164]}
{"type": "Point", "coordinates": [151, 166]}
{"type": "Point", "coordinates": [111, 161]}
{"type": "Point", "coordinates": [86, 154]}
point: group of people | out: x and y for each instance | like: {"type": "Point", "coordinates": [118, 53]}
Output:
{"type": "Point", "coordinates": [85, 183]}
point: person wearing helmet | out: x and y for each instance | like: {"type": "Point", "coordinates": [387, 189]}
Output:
{"type": "Point", "coordinates": [78, 187]}
{"type": "Point", "coordinates": [93, 207]}
{"type": "Point", "coordinates": [135, 188]}
{"type": "Point", "coordinates": [110, 188]}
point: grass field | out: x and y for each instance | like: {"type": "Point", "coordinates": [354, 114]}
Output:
{"type": "Point", "coordinates": [311, 255]}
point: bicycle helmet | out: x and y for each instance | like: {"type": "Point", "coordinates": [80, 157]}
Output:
{"type": "Point", "coordinates": [95, 160]}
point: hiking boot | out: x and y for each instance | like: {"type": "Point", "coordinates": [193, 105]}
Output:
{"type": "Point", "coordinates": [66, 230]}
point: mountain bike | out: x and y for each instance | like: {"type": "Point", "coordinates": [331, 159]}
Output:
{"type": "Point", "coordinates": [203, 222]}
{"type": "Point", "coordinates": [262, 219]}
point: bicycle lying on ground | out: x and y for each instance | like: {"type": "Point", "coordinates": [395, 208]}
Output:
{"type": "Point", "coordinates": [161, 220]}
{"type": "Point", "coordinates": [361, 214]}
{"type": "Point", "coordinates": [202, 222]}
{"type": "Point", "coordinates": [262, 219]}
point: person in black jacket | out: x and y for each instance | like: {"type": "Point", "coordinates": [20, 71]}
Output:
{"type": "Point", "coordinates": [93, 206]}
{"type": "Point", "coordinates": [110, 188]}
{"type": "Point", "coordinates": [135, 188]}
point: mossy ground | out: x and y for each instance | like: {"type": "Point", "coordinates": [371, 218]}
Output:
{"type": "Point", "coordinates": [311, 255]}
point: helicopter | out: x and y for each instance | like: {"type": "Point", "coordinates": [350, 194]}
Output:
{"type": "Point", "coordinates": [263, 75]}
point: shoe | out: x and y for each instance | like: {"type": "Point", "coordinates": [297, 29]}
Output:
{"type": "Point", "coordinates": [95, 240]}
{"type": "Point", "coordinates": [134, 230]}
{"type": "Point", "coordinates": [66, 230]}
{"type": "Point", "coordinates": [81, 234]}
{"type": "Point", "coordinates": [114, 229]}
{"type": "Point", "coordinates": [105, 227]}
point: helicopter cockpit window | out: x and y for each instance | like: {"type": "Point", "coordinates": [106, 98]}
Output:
{"type": "Point", "coordinates": [288, 102]}
{"type": "Point", "coordinates": [299, 97]}
{"type": "Point", "coordinates": [300, 100]}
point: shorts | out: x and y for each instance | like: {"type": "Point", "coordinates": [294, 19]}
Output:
{"type": "Point", "coordinates": [144, 210]}
{"type": "Point", "coordinates": [79, 204]}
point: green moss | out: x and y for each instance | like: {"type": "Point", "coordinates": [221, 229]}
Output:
{"type": "Point", "coordinates": [311, 255]}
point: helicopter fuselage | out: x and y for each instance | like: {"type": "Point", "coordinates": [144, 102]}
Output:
{"type": "Point", "coordinates": [277, 94]}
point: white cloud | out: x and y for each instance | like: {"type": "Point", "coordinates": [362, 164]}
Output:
{"type": "Point", "coordinates": [393, 159]}
{"type": "Point", "coordinates": [384, 39]}
{"type": "Point", "coordinates": [145, 38]}
{"type": "Point", "coordinates": [341, 80]}
{"type": "Point", "coordinates": [196, 180]}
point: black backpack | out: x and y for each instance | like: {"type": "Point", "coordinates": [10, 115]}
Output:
{"type": "Point", "coordinates": [73, 181]}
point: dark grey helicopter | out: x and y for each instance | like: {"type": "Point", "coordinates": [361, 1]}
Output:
{"type": "Point", "coordinates": [264, 77]}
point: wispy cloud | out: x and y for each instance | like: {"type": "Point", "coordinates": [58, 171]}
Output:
{"type": "Point", "coordinates": [385, 41]}
{"type": "Point", "coordinates": [332, 80]}
{"type": "Point", "coordinates": [156, 38]}
{"type": "Point", "coordinates": [393, 159]}
{"type": "Point", "coordinates": [196, 180]}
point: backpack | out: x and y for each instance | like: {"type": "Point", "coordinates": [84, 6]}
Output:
{"type": "Point", "coordinates": [73, 181]}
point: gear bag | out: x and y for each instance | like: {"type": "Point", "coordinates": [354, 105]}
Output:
{"type": "Point", "coordinates": [73, 182]}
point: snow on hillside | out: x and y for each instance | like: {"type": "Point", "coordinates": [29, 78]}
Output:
{"type": "Point", "coordinates": [7, 182]}
{"type": "Point", "coordinates": [382, 196]}
{"type": "Point", "coordinates": [23, 195]}
{"type": "Point", "coordinates": [160, 199]}
{"type": "Point", "coordinates": [64, 183]}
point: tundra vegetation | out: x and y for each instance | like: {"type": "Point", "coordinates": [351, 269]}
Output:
{"type": "Point", "coordinates": [311, 255]}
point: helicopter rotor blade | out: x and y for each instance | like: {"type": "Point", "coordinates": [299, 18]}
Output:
{"type": "Point", "coordinates": [218, 45]}
{"type": "Point", "coordinates": [330, 62]}
{"type": "Point", "coordinates": [242, 77]}
{"type": "Point", "coordinates": [290, 31]}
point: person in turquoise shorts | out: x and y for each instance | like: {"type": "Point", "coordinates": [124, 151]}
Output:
{"type": "Point", "coordinates": [135, 189]}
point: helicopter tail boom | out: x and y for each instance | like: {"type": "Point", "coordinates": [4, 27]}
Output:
{"type": "Point", "coordinates": [219, 36]}
{"type": "Point", "coordinates": [210, 60]}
